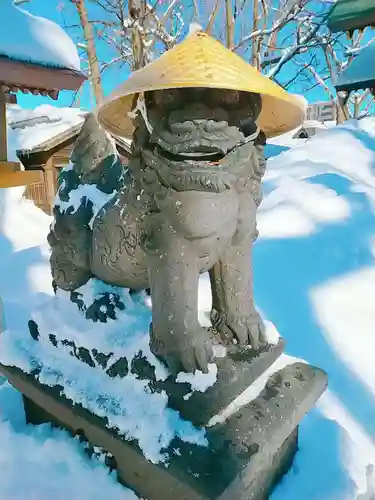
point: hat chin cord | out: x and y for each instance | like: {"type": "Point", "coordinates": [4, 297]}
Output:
{"type": "Point", "coordinates": [142, 110]}
{"type": "Point", "coordinates": [249, 138]}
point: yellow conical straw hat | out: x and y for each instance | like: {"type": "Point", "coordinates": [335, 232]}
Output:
{"type": "Point", "coordinates": [202, 61]}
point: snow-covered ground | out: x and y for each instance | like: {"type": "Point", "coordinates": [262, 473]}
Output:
{"type": "Point", "coordinates": [284, 142]}
{"type": "Point", "coordinates": [314, 279]}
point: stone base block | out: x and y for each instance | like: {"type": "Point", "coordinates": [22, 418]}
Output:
{"type": "Point", "coordinates": [237, 371]}
{"type": "Point", "coordinates": [246, 456]}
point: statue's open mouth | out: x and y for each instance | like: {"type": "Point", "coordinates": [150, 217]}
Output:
{"type": "Point", "coordinates": [198, 156]}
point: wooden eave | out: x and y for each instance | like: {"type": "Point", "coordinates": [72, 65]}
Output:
{"type": "Point", "coordinates": [352, 86]}
{"type": "Point", "coordinates": [29, 78]}
{"type": "Point", "coordinates": [37, 158]}
{"type": "Point", "coordinates": [351, 15]}
{"type": "Point", "coordinates": [37, 79]}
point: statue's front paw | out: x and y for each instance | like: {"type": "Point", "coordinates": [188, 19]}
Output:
{"type": "Point", "coordinates": [243, 330]}
{"type": "Point", "coordinates": [196, 351]}
{"type": "Point", "coordinates": [189, 352]}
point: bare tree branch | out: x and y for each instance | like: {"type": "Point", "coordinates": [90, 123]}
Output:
{"type": "Point", "coordinates": [271, 34]}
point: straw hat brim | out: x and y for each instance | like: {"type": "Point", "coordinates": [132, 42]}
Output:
{"type": "Point", "coordinates": [201, 61]}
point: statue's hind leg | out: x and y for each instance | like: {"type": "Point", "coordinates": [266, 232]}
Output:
{"type": "Point", "coordinates": [233, 311]}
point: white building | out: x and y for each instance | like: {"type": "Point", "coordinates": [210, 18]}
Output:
{"type": "Point", "coordinates": [321, 112]}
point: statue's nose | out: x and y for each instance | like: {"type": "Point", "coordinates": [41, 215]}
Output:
{"type": "Point", "coordinates": [196, 110]}
{"type": "Point", "coordinates": [198, 125]}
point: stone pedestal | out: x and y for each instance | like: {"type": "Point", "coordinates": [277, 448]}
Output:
{"type": "Point", "coordinates": [246, 454]}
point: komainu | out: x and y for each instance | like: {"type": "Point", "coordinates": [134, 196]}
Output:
{"type": "Point", "coordinates": [185, 205]}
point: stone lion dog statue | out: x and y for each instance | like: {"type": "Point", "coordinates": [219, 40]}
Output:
{"type": "Point", "coordinates": [198, 118]}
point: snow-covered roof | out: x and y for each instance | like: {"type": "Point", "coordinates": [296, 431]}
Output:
{"type": "Point", "coordinates": [360, 72]}
{"type": "Point", "coordinates": [42, 128]}
{"type": "Point", "coordinates": [31, 129]}
{"type": "Point", "coordinates": [28, 38]}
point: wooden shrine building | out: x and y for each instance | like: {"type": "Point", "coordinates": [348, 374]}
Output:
{"type": "Point", "coordinates": [349, 16]}
{"type": "Point", "coordinates": [48, 142]}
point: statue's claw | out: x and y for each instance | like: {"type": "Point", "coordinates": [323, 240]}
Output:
{"type": "Point", "coordinates": [194, 353]}
{"type": "Point", "coordinates": [197, 354]}
{"type": "Point", "coordinates": [251, 331]}
{"type": "Point", "coordinates": [243, 330]}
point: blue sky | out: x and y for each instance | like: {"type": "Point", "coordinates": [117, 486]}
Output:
{"type": "Point", "coordinates": [51, 10]}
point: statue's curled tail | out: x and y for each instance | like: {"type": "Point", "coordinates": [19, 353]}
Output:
{"type": "Point", "coordinates": [94, 175]}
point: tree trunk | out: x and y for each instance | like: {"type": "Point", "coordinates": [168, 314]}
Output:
{"type": "Point", "coordinates": [95, 77]}
{"type": "Point", "coordinates": [137, 12]}
{"type": "Point", "coordinates": [3, 127]}
{"type": "Point", "coordinates": [342, 108]}
{"type": "Point", "coordinates": [229, 24]}
{"type": "Point", "coordinates": [211, 19]}
{"type": "Point", "coordinates": [357, 106]}
{"type": "Point", "coordinates": [254, 45]}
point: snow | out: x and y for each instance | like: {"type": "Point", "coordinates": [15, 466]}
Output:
{"type": "Point", "coordinates": [320, 279]}
{"type": "Point", "coordinates": [88, 191]}
{"type": "Point", "coordinates": [34, 459]}
{"type": "Point", "coordinates": [314, 268]}
{"type": "Point", "coordinates": [23, 249]}
{"type": "Point", "coordinates": [284, 142]}
{"type": "Point", "coordinates": [36, 39]}
{"type": "Point", "coordinates": [199, 381]}
{"type": "Point", "coordinates": [307, 204]}
{"type": "Point", "coordinates": [31, 128]}
{"type": "Point", "coordinates": [130, 408]}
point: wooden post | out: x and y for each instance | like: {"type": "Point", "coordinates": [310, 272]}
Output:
{"type": "Point", "coordinates": [10, 172]}
{"type": "Point", "coordinates": [3, 157]}
{"type": "Point", "coordinates": [3, 127]}
{"type": "Point", "coordinates": [49, 176]}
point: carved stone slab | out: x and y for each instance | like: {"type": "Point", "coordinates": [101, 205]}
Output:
{"type": "Point", "coordinates": [246, 455]}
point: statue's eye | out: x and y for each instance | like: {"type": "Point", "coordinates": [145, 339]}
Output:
{"type": "Point", "coordinates": [227, 97]}
{"type": "Point", "coordinates": [170, 96]}
{"type": "Point", "coordinates": [150, 99]}
{"type": "Point", "coordinates": [231, 97]}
